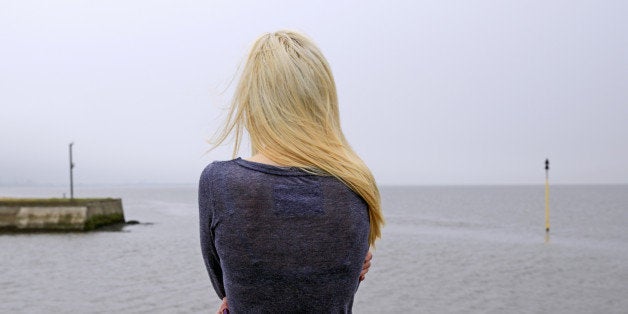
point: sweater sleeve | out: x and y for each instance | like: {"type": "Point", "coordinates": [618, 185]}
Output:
{"type": "Point", "coordinates": [208, 249]}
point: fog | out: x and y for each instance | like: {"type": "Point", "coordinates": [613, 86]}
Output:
{"type": "Point", "coordinates": [431, 92]}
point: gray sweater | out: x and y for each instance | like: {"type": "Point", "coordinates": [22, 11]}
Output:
{"type": "Point", "coordinates": [280, 240]}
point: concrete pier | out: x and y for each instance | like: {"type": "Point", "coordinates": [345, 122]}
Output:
{"type": "Point", "coordinates": [59, 214]}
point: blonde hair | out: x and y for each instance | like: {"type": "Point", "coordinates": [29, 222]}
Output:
{"type": "Point", "coordinates": [286, 99]}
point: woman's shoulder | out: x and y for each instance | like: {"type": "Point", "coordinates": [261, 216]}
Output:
{"type": "Point", "coordinates": [216, 165]}
{"type": "Point", "coordinates": [214, 169]}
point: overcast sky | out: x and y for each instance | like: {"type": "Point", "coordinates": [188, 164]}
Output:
{"type": "Point", "coordinates": [431, 92]}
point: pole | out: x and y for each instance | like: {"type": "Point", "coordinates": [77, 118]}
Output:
{"type": "Point", "coordinates": [71, 172]}
{"type": "Point", "coordinates": [547, 222]}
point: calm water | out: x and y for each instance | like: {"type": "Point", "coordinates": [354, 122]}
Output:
{"type": "Point", "coordinates": [444, 250]}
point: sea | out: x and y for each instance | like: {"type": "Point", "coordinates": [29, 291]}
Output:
{"type": "Point", "coordinates": [444, 249]}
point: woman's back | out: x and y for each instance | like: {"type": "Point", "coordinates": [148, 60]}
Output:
{"type": "Point", "coordinates": [281, 240]}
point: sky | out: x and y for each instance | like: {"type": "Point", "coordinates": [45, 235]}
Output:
{"type": "Point", "coordinates": [431, 92]}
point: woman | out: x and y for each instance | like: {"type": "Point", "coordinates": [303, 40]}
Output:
{"type": "Point", "coordinates": [287, 230]}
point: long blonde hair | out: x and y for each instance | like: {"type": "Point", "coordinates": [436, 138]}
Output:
{"type": "Point", "coordinates": [286, 99]}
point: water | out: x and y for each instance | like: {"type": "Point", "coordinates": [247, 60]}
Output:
{"type": "Point", "coordinates": [444, 250]}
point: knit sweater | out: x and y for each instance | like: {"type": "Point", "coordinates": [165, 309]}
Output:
{"type": "Point", "coordinates": [281, 240]}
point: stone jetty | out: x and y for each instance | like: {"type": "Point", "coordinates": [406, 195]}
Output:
{"type": "Point", "coordinates": [59, 214]}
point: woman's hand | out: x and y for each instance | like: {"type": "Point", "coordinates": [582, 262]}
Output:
{"type": "Point", "coordinates": [366, 265]}
{"type": "Point", "coordinates": [223, 307]}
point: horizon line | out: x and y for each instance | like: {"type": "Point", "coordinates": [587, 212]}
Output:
{"type": "Point", "coordinates": [149, 184]}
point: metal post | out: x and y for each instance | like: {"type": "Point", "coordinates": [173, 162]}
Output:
{"type": "Point", "coordinates": [71, 173]}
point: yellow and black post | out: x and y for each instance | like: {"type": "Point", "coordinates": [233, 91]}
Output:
{"type": "Point", "coordinates": [547, 222]}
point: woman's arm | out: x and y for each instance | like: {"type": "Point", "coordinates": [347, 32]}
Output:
{"type": "Point", "coordinates": [206, 212]}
